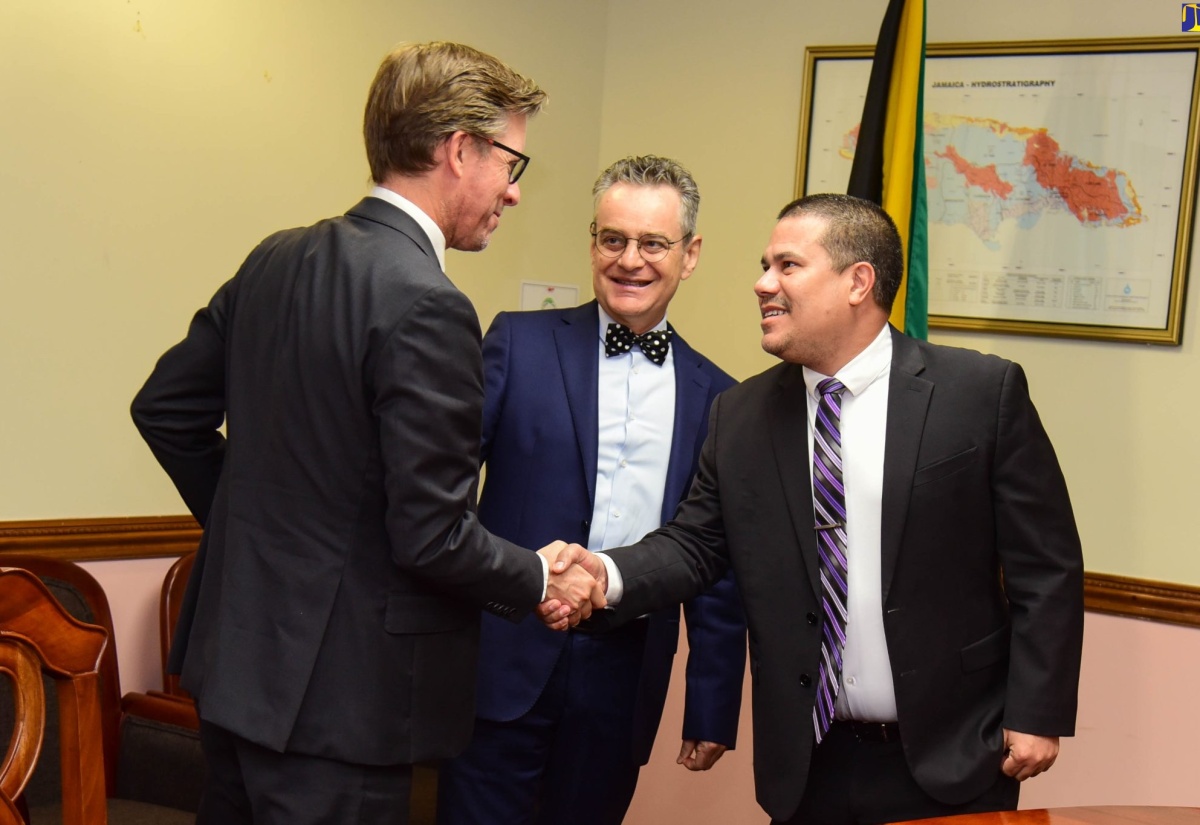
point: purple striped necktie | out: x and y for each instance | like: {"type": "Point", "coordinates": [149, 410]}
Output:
{"type": "Point", "coordinates": [829, 509]}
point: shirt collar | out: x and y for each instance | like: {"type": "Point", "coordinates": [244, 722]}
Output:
{"type": "Point", "coordinates": [863, 370]}
{"type": "Point", "coordinates": [424, 221]}
{"type": "Point", "coordinates": [606, 319]}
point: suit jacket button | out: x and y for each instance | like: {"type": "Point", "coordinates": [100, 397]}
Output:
{"type": "Point", "coordinates": [586, 525]}
{"type": "Point", "coordinates": [811, 618]}
{"type": "Point", "coordinates": [805, 681]}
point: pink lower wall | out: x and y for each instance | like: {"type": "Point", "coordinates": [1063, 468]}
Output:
{"type": "Point", "coordinates": [132, 588]}
{"type": "Point", "coordinates": [1136, 742]}
{"type": "Point", "coordinates": [1138, 727]}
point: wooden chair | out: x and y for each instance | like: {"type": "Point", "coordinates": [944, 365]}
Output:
{"type": "Point", "coordinates": [171, 597]}
{"type": "Point", "coordinates": [68, 651]}
{"type": "Point", "coordinates": [83, 599]}
{"type": "Point", "coordinates": [151, 766]}
{"type": "Point", "coordinates": [21, 665]}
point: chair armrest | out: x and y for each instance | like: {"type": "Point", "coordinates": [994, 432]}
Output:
{"type": "Point", "coordinates": [161, 707]}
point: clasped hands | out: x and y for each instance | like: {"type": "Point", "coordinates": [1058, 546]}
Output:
{"type": "Point", "coordinates": [576, 586]}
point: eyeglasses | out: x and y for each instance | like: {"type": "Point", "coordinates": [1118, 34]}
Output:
{"type": "Point", "coordinates": [652, 248]}
{"type": "Point", "coordinates": [518, 167]}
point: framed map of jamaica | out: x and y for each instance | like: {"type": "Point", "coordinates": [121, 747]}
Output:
{"type": "Point", "coordinates": [1060, 176]}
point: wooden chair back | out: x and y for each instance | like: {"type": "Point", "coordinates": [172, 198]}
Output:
{"type": "Point", "coordinates": [173, 587]}
{"type": "Point", "coordinates": [70, 652]}
{"type": "Point", "coordinates": [83, 598]}
{"type": "Point", "coordinates": [20, 664]}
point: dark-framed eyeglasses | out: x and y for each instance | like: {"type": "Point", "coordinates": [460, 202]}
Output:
{"type": "Point", "coordinates": [612, 244]}
{"type": "Point", "coordinates": [517, 167]}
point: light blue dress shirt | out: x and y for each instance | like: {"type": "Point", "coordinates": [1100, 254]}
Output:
{"type": "Point", "coordinates": [636, 420]}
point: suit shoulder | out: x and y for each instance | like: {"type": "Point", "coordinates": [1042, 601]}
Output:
{"type": "Point", "coordinates": [380, 267]}
{"type": "Point", "coordinates": [944, 358]}
{"type": "Point", "coordinates": [285, 240]}
{"type": "Point", "coordinates": [758, 385]}
{"type": "Point", "coordinates": [525, 319]}
{"type": "Point", "coordinates": [751, 396]}
{"type": "Point", "coordinates": [720, 379]}
{"type": "Point", "coordinates": [539, 321]}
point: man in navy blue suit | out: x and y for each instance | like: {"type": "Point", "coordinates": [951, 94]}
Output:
{"type": "Point", "coordinates": [593, 422]}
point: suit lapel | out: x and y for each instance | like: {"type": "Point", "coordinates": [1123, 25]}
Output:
{"type": "Point", "coordinates": [577, 344]}
{"type": "Point", "coordinates": [691, 397]}
{"type": "Point", "coordinates": [788, 419]}
{"type": "Point", "coordinates": [908, 404]}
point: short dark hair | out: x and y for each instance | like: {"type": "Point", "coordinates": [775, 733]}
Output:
{"type": "Point", "coordinates": [857, 230]}
{"type": "Point", "coordinates": [425, 92]}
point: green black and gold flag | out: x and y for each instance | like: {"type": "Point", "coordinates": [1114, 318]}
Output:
{"type": "Point", "coordinates": [889, 163]}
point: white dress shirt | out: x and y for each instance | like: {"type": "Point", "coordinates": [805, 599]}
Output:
{"type": "Point", "coordinates": [867, 693]}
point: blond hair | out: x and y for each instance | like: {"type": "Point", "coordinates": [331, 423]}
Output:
{"type": "Point", "coordinates": [424, 92]}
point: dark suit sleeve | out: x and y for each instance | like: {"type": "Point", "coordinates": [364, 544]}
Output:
{"type": "Point", "coordinates": [180, 409]}
{"type": "Point", "coordinates": [428, 401]}
{"type": "Point", "coordinates": [716, 666]}
{"type": "Point", "coordinates": [1042, 562]}
{"type": "Point", "coordinates": [497, 346]}
{"type": "Point", "coordinates": [716, 629]}
{"type": "Point", "coordinates": [680, 559]}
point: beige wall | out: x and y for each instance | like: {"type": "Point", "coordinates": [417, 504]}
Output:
{"type": "Point", "coordinates": [148, 146]}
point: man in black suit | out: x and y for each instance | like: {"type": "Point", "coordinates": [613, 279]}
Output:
{"type": "Point", "coordinates": [330, 627]}
{"type": "Point", "coordinates": [915, 596]}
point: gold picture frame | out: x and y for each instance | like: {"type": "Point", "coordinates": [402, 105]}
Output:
{"type": "Point", "coordinates": [1061, 178]}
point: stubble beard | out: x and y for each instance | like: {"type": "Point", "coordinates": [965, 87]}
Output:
{"type": "Point", "coordinates": [795, 349]}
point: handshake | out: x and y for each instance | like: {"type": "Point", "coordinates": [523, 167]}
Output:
{"type": "Point", "coordinates": [576, 586]}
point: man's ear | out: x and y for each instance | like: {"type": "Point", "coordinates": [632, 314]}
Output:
{"type": "Point", "coordinates": [862, 283]}
{"type": "Point", "coordinates": [691, 257]}
{"type": "Point", "coordinates": [453, 152]}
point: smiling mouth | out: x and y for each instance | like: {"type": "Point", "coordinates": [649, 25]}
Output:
{"type": "Point", "coordinates": [772, 312]}
{"type": "Point", "coordinates": [627, 282]}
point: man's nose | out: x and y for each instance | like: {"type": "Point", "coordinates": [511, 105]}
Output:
{"type": "Point", "coordinates": [631, 255]}
{"type": "Point", "coordinates": [767, 285]}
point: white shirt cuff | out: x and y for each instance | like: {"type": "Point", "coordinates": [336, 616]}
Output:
{"type": "Point", "coordinates": [616, 585]}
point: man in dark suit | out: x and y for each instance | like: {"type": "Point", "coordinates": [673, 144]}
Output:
{"type": "Point", "coordinates": [597, 445]}
{"type": "Point", "coordinates": [330, 627]}
{"type": "Point", "coordinates": [904, 546]}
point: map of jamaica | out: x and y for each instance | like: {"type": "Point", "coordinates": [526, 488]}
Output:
{"type": "Point", "coordinates": [981, 172]}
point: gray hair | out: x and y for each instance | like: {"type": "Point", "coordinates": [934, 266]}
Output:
{"type": "Point", "coordinates": [651, 170]}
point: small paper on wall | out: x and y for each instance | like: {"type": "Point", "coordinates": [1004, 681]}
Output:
{"type": "Point", "coordinates": [540, 295]}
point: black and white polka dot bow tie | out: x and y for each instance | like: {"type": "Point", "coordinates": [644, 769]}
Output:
{"type": "Point", "coordinates": [654, 344]}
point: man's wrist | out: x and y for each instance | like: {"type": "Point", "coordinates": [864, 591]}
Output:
{"type": "Point", "coordinates": [616, 585]}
